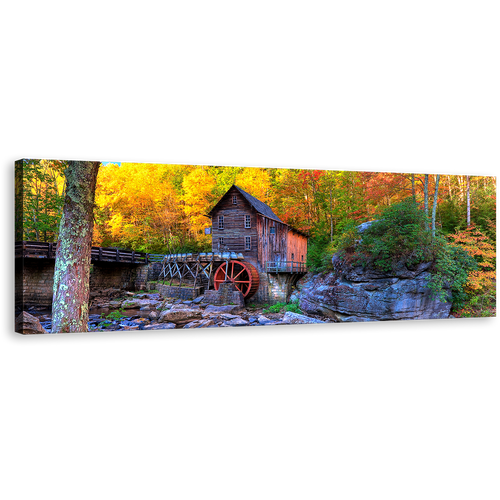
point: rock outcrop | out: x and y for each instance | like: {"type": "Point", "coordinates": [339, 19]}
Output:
{"type": "Point", "coordinates": [28, 324]}
{"type": "Point", "coordinates": [357, 294]}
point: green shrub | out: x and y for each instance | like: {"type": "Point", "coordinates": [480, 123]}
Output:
{"type": "Point", "coordinates": [317, 251]}
{"type": "Point", "coordinates": [293, 307]}
{"type": "Point", "coordinates": [280, 306]}
{"type": "Point", "coordinates": [452, 265]}
{"type": "Point", "coordinates": [116, 315]}
{"type": "Point", "coordinates": [345, 241]}
{"type": "Point", "coordinates": [401, 234]}
{"type": "Point", "coordinates": [275, 308]}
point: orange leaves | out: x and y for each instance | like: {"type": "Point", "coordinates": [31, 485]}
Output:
{"type": "Point", "coordinates": [479, 246]}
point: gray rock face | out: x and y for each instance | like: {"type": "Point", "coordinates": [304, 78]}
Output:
{"type": "Point", "coordinates": [354, 294]}
{"type": "Point", "coordinates": [363, 227]}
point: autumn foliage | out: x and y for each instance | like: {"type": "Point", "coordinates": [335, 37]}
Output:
{"type": "Point", "coordinates": [160, 208]}
{"type": "Point", "coordinates": [478, 246]}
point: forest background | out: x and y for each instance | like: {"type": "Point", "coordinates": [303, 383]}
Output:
{"type": "Point", "coordinates": [160, 208]}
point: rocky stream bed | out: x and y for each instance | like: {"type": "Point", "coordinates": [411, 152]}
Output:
{"type": "Point", "coordinates": [150, 311]}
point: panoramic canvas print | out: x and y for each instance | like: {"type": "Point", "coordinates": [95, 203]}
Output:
{"type": "Point", "coordinates": [107, 246]}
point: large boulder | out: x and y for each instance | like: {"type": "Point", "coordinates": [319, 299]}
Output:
{"type": "Point", "coordinates": [357, 294]}
{"type": "Point", "coordinates": [140, 303]}
{"type": "Point", "coordinates": [211, 309]}
{"type": "Point", "coordinates": [160, 326]}
{"type": "Point", "coordinates": [298, 319]}
{"type": "Point", "coordinates": [204, 323]}
{"type": "Point", "coordinates": [28, 324]}
{"type": "Point", "coordinates": [236, 322]}
{"type": "Point", "coordinates": [179, 315]}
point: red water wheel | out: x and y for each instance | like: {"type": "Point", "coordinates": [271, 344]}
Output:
{"type": "Point", "coordinates": [242, 274]}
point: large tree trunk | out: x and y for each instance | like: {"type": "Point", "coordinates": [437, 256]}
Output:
{"type": "Point", "coordinates": [413, 193]}
{"type": "Point", "coordinates": [70, 303]}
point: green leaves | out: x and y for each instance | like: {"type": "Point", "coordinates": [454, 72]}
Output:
{"type": "Point", "coordinates": [452, 267]}
{"type": "Point", "coordinates": [399, 235]}
{"type": "Point", "coordinates": [39, 199]}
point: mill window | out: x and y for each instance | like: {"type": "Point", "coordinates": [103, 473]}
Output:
{"type": "Point", "coordinates": [247, 222]}
{"type": "Point", "coordinates": [234, 199]}
{"type": "Point", "coordinates": [302, 258]}
{"type": "Point", "coordinates": [221, 222]}
{"type": "Point", "coordinates": [272, 230]}
{"type": "Point", "coordinates": [293, 256]}
{"type": "Point", "coordinates": [248, 243]}
{"type": "Point", "coordinates": [221, 242]}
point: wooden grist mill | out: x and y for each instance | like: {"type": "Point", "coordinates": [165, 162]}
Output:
{"type": "Point", "coordinates": [209, 270]}
{"type": "Point", "coordinates": [251, 248]}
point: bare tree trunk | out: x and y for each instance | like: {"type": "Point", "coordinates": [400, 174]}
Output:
{"type": "Point", "coordinates": [449, 188]}
{"type": "Point", "coordinates": [461, 187]}
{"type": "Point", "coordinates": [468, 201]}
{"type": "Point", "coordinates": [413, 187]}
{"type": "Point", "coordinates": [70, 303]}
{"type": "Point", "coordinates": [434, 206]}
{"type": "Point", "coordinates": [426, 197]}
{"type": "Point", "coordinates": [331, 214]}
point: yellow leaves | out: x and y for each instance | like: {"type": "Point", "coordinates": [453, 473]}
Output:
{"type": "Point", "coordinates": [115, 225]}
{"type": "Point", "coordinates": [255, 181]}
{"type": "Point", "coordinates": [198, 197]}
{"type": "Point", "coordinates": [136, 202]}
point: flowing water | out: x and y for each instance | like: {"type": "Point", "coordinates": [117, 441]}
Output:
{"type": "Point", "coordinates": [98, 321]}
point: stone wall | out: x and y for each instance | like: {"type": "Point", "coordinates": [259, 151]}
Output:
{"type": "Point", "coordinates": [34, 282]}
{"type": "Point", "coordinates": [275, 288]}
{"type": "Point", "coordinates": [124, 276]}
{"type": "Point", "coordinates": [183, 293]}
{"type": "Point", "coordinates": [35, 279]}
{"type": "Point", "coordinates": [154, 270]}
{"type": "Point", "coordinates": [225, 295]}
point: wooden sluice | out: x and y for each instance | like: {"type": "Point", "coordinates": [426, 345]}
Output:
{"type": "Point", "coordinates": [194, 269]}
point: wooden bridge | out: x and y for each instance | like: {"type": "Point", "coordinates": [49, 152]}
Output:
{"type": "Point", "coordinates": [42, 250]}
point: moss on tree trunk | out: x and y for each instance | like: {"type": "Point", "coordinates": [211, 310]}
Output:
{"type": "Point", "coordinates": [70, 310]}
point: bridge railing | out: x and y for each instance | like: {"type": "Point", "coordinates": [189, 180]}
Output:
{"type": "Point", "coordinates": [156, 257]}
{"type": "Point", "coordinates": [43, 250]}
{"type": "Point", "coordinates": [286, 266]}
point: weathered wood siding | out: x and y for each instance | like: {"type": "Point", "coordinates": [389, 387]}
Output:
{"type": "Point", "coordinates": [234, 231]}
{"type": "Point", "coordinates": [265, 245]}
{"type": "Point", "coordinates": [296, 247]}
{"type": "Point", "coordinates": [272, 247]}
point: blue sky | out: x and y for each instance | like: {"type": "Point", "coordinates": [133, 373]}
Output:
{"type": "Point", "coordinates": [114, 162]}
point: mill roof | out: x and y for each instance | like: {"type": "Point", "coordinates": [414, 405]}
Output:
{"type": "Point", "coordinates": [258, 205]}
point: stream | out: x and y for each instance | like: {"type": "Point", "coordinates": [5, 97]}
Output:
{"type": "Point", "coordinates": [133, 319]}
